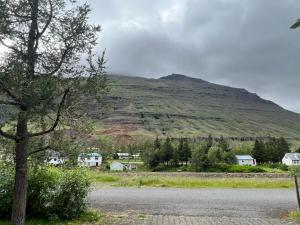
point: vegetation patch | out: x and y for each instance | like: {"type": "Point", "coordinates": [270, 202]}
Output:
{"type": "Point", "coordinates": [191, 182]}
{"type": "Point", "coordinates": [184, 181]}
{"type": "Point", "coordinates": [87, 218]}
{"type": "Point", "coordinates": [294, 215]}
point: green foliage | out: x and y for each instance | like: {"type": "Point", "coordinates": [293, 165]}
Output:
{"type": "Point", "coordinates": [52, 193]}
{"type": "Point", "coordinates": [229, 157]}
{"type": "Point", "coordinates": [294, 170]}
{"type": "Point", "coordinates": [223, 144]}
{"type": "Point", "coordinates": [215, 155]}
{"type": "Point", "coordinates": [157, 143]}
{"type": "Point", "coordinates": [258, 151]}
{"type": "Point", "coordinates": [279, 166]}
{"type": "Point", "coordinates": [199, 158]}
{"type": "Point", "coordinates": [272, 150]}
{"type": "Point", "coordinates": [6, 189]}
{"type": "Point", "coordinates": [167, 151]}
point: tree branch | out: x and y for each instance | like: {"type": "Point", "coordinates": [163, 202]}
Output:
{"type": "Point", "coordinates": [9, 103]}
{"type": "Point", "coordinates": [39, 150]}
{"type": "Point", "coordinates": [48, 21]}
{"type": "Point", "coordinates": [11, 47]}
{"type": "Point", "coordinates": [58, 115]}
{"type": "Point", "coordinates": [11, 95]}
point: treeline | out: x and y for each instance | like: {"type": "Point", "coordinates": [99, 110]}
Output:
{"type": "Point", "coordinates": [272, 150]}
{"type": "Point", "coordinates": [170, 153]}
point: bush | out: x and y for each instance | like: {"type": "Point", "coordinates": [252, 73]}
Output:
{"type": "Point", "coordinates": [52, 193]}
{"type": "Point", "coordinates": [277, 166]}
{"type": "Point", "coordinates": [6, 190]}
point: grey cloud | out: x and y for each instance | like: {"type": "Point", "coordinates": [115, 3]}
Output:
{"type": "Point", "coordinates": [238, 43]}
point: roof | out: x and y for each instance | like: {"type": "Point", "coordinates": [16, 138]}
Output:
{"type": "Point", "coordinates": [292, 156]}
{"type": "Point", "coordinates": [244, 157]}
{"type": "Point", "coordinates": [123, 153]}
{"type": "Point", "coordinates": [93, 154]}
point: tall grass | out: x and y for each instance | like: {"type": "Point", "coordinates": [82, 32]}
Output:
{"type": "Point", "coordinates": [143, 180]}
{"type": "Point", "coordinates": [192, 182]}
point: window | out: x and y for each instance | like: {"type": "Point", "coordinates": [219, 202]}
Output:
{"type": "Point", "coordinates": [96, 157]}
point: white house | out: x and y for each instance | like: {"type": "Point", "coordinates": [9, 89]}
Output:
{"type": "Point", "coordinates": [291, 159]}
{"type": "Point", "coordinates": [116, 166]}
{"type": "Point", "coordinates": [89, 159]}
{"type": "Point", "coordinates": [123, 155]}
{"type": "Point", "coordinates": [245, 160]}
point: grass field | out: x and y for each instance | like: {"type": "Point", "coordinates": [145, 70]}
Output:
{"type": "Point", "coordinates": [136, 180]}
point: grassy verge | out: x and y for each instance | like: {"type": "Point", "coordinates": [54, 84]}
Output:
{"type": "Point", "coordinates": [88, 218]}
{"type": "Point", "coordinates": [294, 215]}
{"type": "Point", "coordinates": [136, 180]}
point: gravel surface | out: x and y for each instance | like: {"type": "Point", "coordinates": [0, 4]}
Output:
{"type": "Point", "coordinates": [207, 206]}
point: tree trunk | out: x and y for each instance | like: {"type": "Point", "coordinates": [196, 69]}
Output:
{"type": "Point", "coordinates": [20, 187]}
{"type": "Point", "coordinates": [297, 191]}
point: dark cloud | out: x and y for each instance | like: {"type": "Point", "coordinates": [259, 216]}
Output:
{"type": "Point", "coordinates": [238, 43]}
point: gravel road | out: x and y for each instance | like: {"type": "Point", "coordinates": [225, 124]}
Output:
{"type": "Point", "coordinates": [236, 206]}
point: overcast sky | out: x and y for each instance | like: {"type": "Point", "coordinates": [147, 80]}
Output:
{"type": "Point", "coordinates": [241, 43]}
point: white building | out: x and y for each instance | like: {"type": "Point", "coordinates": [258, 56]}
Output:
{"type": "Point", "coordinates": [116, 166]}
{"type": "Point", "coordinates": [245, 160]}
{"type": "Point", "coordinates": [55, 158]}
{"type": "Point", "coordinates": [89, 159]}
{"type": "Point", "coordinates": [291, 159]}
{"type": "Point", "coordinates": [56, 161]}
{"type": "Point", "coordinates": [123, 155]}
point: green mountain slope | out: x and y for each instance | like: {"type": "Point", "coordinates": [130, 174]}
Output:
{"type": "Point", "coordinates": [178, 105]}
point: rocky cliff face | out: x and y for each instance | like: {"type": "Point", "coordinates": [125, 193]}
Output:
{"type": "Point", "coordinates": [177, 105]}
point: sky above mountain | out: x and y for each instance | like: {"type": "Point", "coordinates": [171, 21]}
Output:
{"type": "Point", "coordinates": [238, 43]}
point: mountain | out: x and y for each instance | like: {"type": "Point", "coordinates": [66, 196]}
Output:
{"type": "Point", "coordinates": [178, 105]}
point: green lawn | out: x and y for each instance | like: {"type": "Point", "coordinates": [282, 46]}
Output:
{"type": "Point", "coordinates": [141, 180]}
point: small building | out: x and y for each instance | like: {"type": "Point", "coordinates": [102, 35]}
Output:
{"type": "Point", "coordinates": [123, 155]}
{"type": "Point", "coordinates": [55, 158]}
{"type": "Point", "coordinates": [56, 161]}
{"type": "Point", "coordinates": [291, 159]}
{"type": "Point", "coordinates": [245, 160]}
{"type": "Point", "coordinates": [136, 156]}
{"type": "Point", "coordinates": [90, 159]}
{"type": "Point", "coordinates": [117, 166]}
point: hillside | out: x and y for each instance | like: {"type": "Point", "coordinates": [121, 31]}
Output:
{"type": "Point", "coordinates": [177, 105]}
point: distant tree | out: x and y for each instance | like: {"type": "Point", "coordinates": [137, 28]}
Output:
{"type": "Point", "coordinates": [180, 150]}
{"type": "Point", "coordinates": [167, 151]}
{"type": "Point", "coordinates": [275, 149]}
{"type": "Point", "coordinates": [199, 158]}
{"type": "Point", "coordinates": [223, 144]}
{"type": "Point", "coordinates": [187, 151]}
{"type": "Point", "coordinates": [175, 158]}
{"type": "Point", "coordinates": [297, 150]}
{"type": "Point", "coordinates": [229, 157]}
{"type": "Point", "coordinates": [215, 155]}
{"type": "Point", "coordinates": [157, 143]}
{"type": "Point", "coordinates": [153, 158]}
{"type": "Point", "coordinates": [258, 151]}
{"type": "Point", "coordinates": [210, 142]}
{"type": "Point", "coordinates": [283, 148]}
